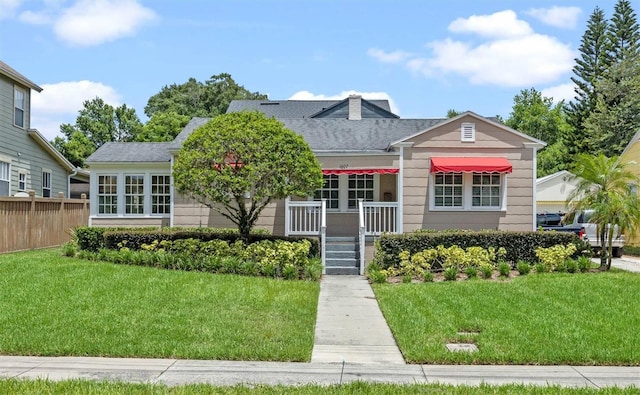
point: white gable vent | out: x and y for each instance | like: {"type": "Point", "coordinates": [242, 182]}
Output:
{"type": "Point", "coordinates": [468, 131]}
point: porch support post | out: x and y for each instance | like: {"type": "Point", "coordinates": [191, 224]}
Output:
{"type": "Point", "coordinates": [400, 194]}
{"type": "Point", "coordinates": [287, 216]}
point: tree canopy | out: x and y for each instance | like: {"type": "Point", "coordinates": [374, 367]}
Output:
{"type": "Point", "coordinates": [238, 163]}
{"type": "Point", "coordinates": [97, 123]}
{"type": "Point", "coordinates": [197, 99]}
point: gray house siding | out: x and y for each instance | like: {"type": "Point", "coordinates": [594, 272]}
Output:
{"type": "Point", "coordinates": [22, 151]}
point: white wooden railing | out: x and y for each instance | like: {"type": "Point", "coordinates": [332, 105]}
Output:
{"type": "Point", "coordinates": [361, 234]}
{"type": "Point", "coordinates": [380, 217]}
{"type": "Point", "coordinates": [307, 218]}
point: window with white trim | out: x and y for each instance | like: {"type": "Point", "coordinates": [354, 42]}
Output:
{"type": "Point", "coordinates": [448, 190]}
{"type": "Point", "coordinates": [330, 191]}
{"type": "Point", "coordinates": [19, 99]}
{"type": "Point", "coordinates": [108, 194]}
{"type": "Point", "coordinates": [467, 191]}
{"type": "Point", "coordinates": [46, 184]}
{"type": "Point", "coordinates": [468, 132]}
{"type": "Point", "coordinates": [486, 190]}
{"type": "Point", "coordinates": [160, 194]}
{"type": "Point", "coordinates": [5, 178]}
{"type": "Point", "coordinates": [22, 180]}
{"type": "Point", "coordinates": [361, 186]}
{"type": "Point", "coordinates": [134, 194]}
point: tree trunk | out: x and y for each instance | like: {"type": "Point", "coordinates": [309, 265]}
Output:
{"type": "Point", "coordinates": [603, 250]}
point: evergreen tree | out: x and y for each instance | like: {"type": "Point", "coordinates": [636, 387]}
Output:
{"type": "Point", "coordinates": [623, 33]}
{"type": "Point", "coordinates": [589, 69]}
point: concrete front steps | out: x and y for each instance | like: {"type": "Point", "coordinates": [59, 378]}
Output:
{"type": "Point", "coordinates": [342, 256]}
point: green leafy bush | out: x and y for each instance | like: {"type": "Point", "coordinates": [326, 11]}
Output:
{"type": "Point", "coordinates": [70, 249]}
{"type": "Point", "coordinates": [518, 245]}
{"type": "Point", "coordinates": [554, 256]}
{"type": "Point", "coordinates": [523, 267]}
{"type": "Point", "coordinates": [471, 271]}
{"type": "Point", "coordinates": [504, 268]}
{"type": "Point", "coordinates": [584, 263]}
{"type": "Point", "coordinates": [451, 273]}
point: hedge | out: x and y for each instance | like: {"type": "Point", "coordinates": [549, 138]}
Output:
{"type": "Point", "coordinates": [93, 239]}
{"type": "Point", "coordinates": [520, 246]}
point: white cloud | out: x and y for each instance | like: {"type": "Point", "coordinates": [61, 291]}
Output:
{"type": "Point", "coordinates": [306, 95]}
{"type": "Point", "coordinates": [560, 92]}
{"type": "Point", "coordinates": [90, 22]}
{"type": "Point", "coordinates": [500, 24]}
{"type": "Point", "coordinates": [35, 18]}
{"type": "Point", "coordinates": [8, 8]}
{"type": "Point", "coordinates": [389, 57]}
{"type": "Point", "coordinates": [562, 17]}
{"type": "Point", "coordinates": [505, 52]}
{"type": "Point", "coordinates": [59, 103]}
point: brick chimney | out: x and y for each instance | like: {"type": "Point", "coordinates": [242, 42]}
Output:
{"type": "Point", "coordinates": [355, 107]}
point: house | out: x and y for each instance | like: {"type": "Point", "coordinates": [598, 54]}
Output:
{"type": "Point", "coordinates": [553, 192]}
{"type": "Point", "coordinates": [631, 155]}
{"type": "Point", "coordinates": [27, 160]}
{"type": "Point", "coordinates": [382, 174]}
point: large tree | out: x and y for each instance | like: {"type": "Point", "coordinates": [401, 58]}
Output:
{"type": "Point", "coordinates": [539, 117]}
{"type": "Point", "coordinates": [240, 162]}
{"type": "Point", "coordinates": [606, 186]}
{"type": "Point", "coordinates": [616, 116]}
{"type": "Point", "coordinates": [198, 99]}
{"type": "Point", "coordinates": [163, 126]}
{"type": "Point", "coordinates": [588, 70]}
{"type": "Point", "coordinates": [623, 33]}
{"type": "Point", "coordinates": [97, 123]}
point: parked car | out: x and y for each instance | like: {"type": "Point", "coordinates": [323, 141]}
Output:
{"type": "Point", "coordinates": [582, 219]}
{"type": "Point", "coordinates": [549, 219]}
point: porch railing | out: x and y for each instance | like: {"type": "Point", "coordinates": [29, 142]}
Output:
{"type": "Point", "coordinates": [307, 218]}
{"type": "Point", "coordinates": [380, 217]}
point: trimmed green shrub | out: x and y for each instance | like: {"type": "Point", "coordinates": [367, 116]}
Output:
{"type": "Point", "coordinates": [70, 249]}
{"type": "Point", "coordinates": [584, 263]}
{"type": "Point", "coordinates": [487, 271]}
{"type": "Point", "coordinates": [571, 265]}
{"type": "Point", "coordinates": [523, 267]}
{"type": "Point", "coordinates": [518, 245]}
{"type": "Point", "coordinates": [504, 268]}
{"type": "Point", "coordinates": [451, 273]}
{"type": "Point", "coordinates": [471, 271]}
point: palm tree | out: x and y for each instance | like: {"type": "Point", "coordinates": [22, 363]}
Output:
{"type": "Point", "coordinates": [608, 187]}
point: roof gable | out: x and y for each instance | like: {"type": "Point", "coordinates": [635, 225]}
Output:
{"type": "Point", "coordinates": [54, 153]}
{"type": "Point", "coordinates": [285, 109]}
{"type": "Point", "coordinates": [528, 139]}
{"type": "Point", "coordinates": [10, 72]}
{"type": "Point", "coordinates": [341, 110]}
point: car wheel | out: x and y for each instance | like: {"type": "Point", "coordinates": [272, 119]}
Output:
{"type": "Point", "coordinates": [617, 252]}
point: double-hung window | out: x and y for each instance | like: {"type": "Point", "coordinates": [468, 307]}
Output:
{"type": "Point", "coordinates": [46, 184]}
{"type": "Point", "coordinates": [330, 191]}
{"type": "Point", "coordinates": [108, 194]}
{"type": "Point", "coordinates": [468, 191]}
{"type": "Point", "coordinates": [160, 194]}
{"type": "Point", "coordinates": [19, 104]}
{"type": "Point", "coordinates": [4, 178]}
{"type": "Point", "coordinates": [22, 181]}
{"type": "Point", "coordinates": [134, 194]}
{"type": "Point", "coordinates": [361, 187]}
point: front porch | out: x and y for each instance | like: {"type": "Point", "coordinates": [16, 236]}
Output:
{"type": "Point", "coordinates": [343, 236]}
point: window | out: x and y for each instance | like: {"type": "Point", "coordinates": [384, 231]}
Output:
{"type": "Point", "coordinates": [4, 179]}
{"type": "Point", "coordinates": [18, 106]}
{"type": "Point", "coordinates": [330, 191]}
{"type": "Point", "coordinates": [134, 194]}
{"type": "Point", "coordinates": [22, 181]}
{"type": "Point", "coordinates": [160, 194]}
{"type": "Point", "coordinates": [360, 187]}
{"type": "Point", "coordinates": [46, 184]}
{"type": "Point", "coordinates": [467, 191]}
{"type": "Point", "coordinates": [448, 190]}
{"type": "Point", "coordinates": [107, 194]}
{"type": "Point", "coordinates": [468, 132]}
{"type": "Point", "coordinates": [486, 190]}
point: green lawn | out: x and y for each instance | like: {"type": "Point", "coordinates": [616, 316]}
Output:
{"type": "Point", "coordinates": [52, 305]}
{"type": "Point", "coordinates": [12, 386]}
{"type": "Point", "coordinates": [576, 319]}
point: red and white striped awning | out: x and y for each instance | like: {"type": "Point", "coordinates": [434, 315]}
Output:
{"type": "Point", "coordinates": [470, 165]}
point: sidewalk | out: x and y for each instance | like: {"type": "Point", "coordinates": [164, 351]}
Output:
{"type": "Point", "coordinates": [352, 343]}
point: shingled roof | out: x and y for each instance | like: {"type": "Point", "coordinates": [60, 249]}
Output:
{"type": "Point", "coordinates": [289, 109]}
{"type": "Point", "coordinates": [131, 152]}
{"type": "Point", "coordinates": [10, 72]}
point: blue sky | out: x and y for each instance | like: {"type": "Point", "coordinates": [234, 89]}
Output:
{"type": "Point", "coordinates": [424, 56]}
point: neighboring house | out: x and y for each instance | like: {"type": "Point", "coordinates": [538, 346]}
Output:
{"type": "Point", "coordinates": [467, 172]}
{"type": "Point", "coordinates": [27, 160]}
{"type": "Point", "coordinates": [631, 155]}
{"type": "Point", "coordinates": [553, 191]}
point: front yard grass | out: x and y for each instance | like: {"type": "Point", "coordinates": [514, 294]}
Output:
{"type": "Point", "coordinates": [52, 305]}
{"type": "Point", "coordinates": [546, 319]}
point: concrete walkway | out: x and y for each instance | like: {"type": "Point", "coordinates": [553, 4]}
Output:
{"type": "Point", "coordinates": [350, 326]}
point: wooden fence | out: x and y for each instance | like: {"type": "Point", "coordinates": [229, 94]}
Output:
{"type": "Point", "coordinates": [30, 222]}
